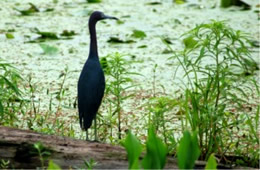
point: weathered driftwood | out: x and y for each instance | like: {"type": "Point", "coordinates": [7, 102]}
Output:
{"type": "Point", "coordinates": [16, 146]}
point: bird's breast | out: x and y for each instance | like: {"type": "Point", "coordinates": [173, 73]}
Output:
{"type": "Point", "coordinates": [91, 76]}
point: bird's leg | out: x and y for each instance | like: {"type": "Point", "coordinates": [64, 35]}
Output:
{"type": "Point", "coordinates": [87, 135]}
{"type": "Point", "coordinates": [95, 128]}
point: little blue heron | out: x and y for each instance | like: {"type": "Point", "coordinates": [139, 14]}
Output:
{"type": "Point", "coordinates": [91, 84]}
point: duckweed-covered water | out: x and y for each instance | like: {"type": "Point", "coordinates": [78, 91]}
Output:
{"type": "Point", "coordinates": [163, 20]}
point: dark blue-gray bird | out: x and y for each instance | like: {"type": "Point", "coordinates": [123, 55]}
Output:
{"type": "Point", "coordinates": [91, 84]}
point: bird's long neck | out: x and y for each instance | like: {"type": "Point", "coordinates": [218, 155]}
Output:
{"type": "Point", "coordinates": [93, 51]}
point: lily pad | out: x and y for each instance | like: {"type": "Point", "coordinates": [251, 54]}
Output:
{"type": "Point", "coordinates": [44, 35]}
{"type": "Point", "coordinates": [118, 40]}
{"type": "Point", "coordinates": [179, 2]}
{"type": "Point", "coordinates": [138, 34]}
{"type": "Point", "coordinates": [49, 50]}
{"type": "Point", "coordinates": [48, 35]}
{"type": "Point", "coordinates": [11, 30]}
{"type": "Point", "coordinates": [29, 11]}
{"type": "Point", "coordinates": [229, 3]}
{"type": "Point", "coordinates": [49, 10]}
{"type": "Point", "coordinates": [120, 22]}
{"type": "Point", "coordinates": [9, 36]}
{"type": "Point", "coordinates": [154, 3]}
{"type": "Point", "coordinates": [142, 46]}
{"type": "Point", "coordinates": [94, 1]}
{"type": "Point", "coordinates": [68, 33]}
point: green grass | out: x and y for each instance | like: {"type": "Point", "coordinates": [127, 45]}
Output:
{"type": "Point", "coordinates": [11, 99]}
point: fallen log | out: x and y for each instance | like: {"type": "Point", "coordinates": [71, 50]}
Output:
{"type": "Point", "coordinates": [17, 146]}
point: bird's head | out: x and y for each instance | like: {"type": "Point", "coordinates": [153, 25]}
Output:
{"type": "Point", "coordinates": [97, 16]}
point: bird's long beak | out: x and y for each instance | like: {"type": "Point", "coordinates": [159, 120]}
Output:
{"type": "Point", "coordinates": [110, 17]}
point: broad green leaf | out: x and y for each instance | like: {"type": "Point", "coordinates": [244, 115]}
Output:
{"type": "Point", "coordinates": [188, 151]}
{"type": "Point", "coordinates": [189, 42]}
{"type": "Point", "coordinates": [52, 165]}
{"type": "Point", "coordinates": [212, 163]}
{"type": "Point", "coordinates": [156, 152]}
{"type": "Point", "coordinates": [134, 149]}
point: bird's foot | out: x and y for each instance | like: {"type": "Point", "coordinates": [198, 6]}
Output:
{"type": "Point", "coordinates": [93, 141]}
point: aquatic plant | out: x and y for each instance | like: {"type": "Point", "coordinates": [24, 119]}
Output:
{"type": "Point", "coordinates": [188, 151]}
{"type": "Point", "coordinates": [43, 152]}
{"type": "Point", "coordinates": [156, 151]}
{"type": "Point", "coordinates": [52, 165]}
{"type": "Point", "coordinates": [217, 66]}
{"type": "Point", "coordinates": [10, 94]}
{"type": "Point", "coordinates": [4, 164]}
{"type": "Point", "coordinates": [118, 81]}
{"type": "Point", "coordinates": [158, 111]}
